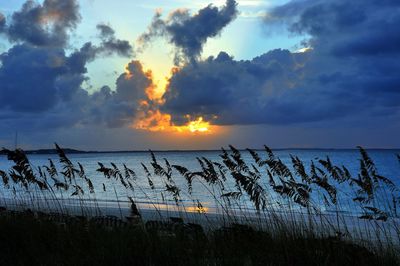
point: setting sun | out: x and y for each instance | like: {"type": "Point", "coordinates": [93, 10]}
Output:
{"type": "Point", "coordinates": [198, 125]}
{"type": "Point", "coordinates": [156, 121]}
{"type": "Point", "coordinates": [151, 118]}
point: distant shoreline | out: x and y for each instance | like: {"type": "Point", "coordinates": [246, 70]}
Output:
{"type": "Point", "coordinates": [74, 151]}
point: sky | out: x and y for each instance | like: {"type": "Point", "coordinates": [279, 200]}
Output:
{"type": "Point", "coordinates": [180, 74]}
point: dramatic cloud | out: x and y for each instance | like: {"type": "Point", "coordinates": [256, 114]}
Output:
{"type": "Point", "coordinates": [350, 70]}
{"type": "Point", "coordinates": [42, 85]}
{"type": "Point", "coordinates": [118, 108]}
{"type": "Point", "coordinates": [110, 44]}
{"type": "Point", "coordinates": [233, 92]}
{"type": "Point", "coordinates": [43, 25]}
{"type": "Point", "coordinates": [49, 83]}
{"type": "Point", "coordinates": [346, 75]}
{"type": "Point", "coordinates": [28, 77]}
{"type": "Point", "coordinates": [105, 30]}
{"type": "Point", "coordinates": [188, 33]}
{"type": "Point", "coordinates": [356, 30]}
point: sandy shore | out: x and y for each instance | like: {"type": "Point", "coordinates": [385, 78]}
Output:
{"type": "Point", "coordinates": [212, 218]}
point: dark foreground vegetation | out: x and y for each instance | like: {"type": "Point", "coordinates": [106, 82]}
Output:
{"type": "Point", "coordinates": [300, 213]}
{"type": "Point", "coordinates": [26, 239]}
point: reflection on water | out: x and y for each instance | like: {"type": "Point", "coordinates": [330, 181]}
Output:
{"type": "Point", "coordinates": [201, 199]}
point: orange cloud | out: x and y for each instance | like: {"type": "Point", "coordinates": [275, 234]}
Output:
{"type": "Point", "coordinates": [152, 119]}
{"type": "Point", "coordinates": [157, 121]}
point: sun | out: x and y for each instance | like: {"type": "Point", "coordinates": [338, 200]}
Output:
{"type": "Point", "coordinates": [198, 125]}
{"type": "Point", "coordinates": [153, 119]}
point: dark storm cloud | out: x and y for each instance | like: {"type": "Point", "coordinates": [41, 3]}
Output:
{"type": "Point", "coordinates": [120, 47]}
{"type": "Point", "coordinates": [188, 33]}
{"type": "Point", "coordinates": [28, 77]}
{"type": "Point", "coordinates": [42, 86]}
{"type": "Point", "coordinates": [105, 30]}
{"type": "Point", "coordinates": [352, 70]}
{"type": "Point", "coordinates": [110, 44]}
{"type": "Point", "coordinates": [35, 79]}
{"type": "Point", "coordinates": [237, 92]}
{"type": "Point", "coordinates": [44, 24]}
{"type": "Point", "coordinates": [344, 27]}
{"type": "Point", "coordinates": [118, 108]}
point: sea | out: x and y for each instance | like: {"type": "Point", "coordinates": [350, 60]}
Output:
{"type": "Point", "coordinates": [112, 194]}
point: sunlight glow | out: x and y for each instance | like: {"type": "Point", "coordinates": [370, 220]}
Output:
{"type": "Point", "coordinates": [151, 118]}
{"type": "Point", "coordinates": [198, 125]}
{"type": "Point", "coordinates": [304, 50]}
{"type": "Point", "coordinates": [156, 121]}
{"type": "Point", "coordinates": [197, 209]}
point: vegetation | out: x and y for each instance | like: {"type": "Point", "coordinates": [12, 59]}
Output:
{"type": "Point", "coordinates": [299, 213]}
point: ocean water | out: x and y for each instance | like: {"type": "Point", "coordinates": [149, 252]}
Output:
{"type": "Point", "coordinates": [385, 160]}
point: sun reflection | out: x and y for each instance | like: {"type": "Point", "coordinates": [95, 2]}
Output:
{"type": "Point", "coordinates": [166, 207]}
{"type": "Point", "coordinates": [198, 209]}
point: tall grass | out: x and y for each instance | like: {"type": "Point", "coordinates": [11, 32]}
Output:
{"type": "Point", "coordinates": [317, 199]}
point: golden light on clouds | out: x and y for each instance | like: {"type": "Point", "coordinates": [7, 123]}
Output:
{"type": "Point", "coordinates": [155, 91]}
{"type": "Point", "coordinates": [198, 125]}
{"type": "Point", "coordinates": [128, 75]}
{"type": "Point", "coordinates": [151, 118]}
{"type": "Point", "coordinates": [304, 50]}
{"type": "Point", "coordinates": [156, 121]}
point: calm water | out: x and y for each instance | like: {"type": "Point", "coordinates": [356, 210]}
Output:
{"type": "Point", "coordinates": [385, 161]}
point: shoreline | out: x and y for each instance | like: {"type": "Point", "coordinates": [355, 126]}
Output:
{"type": "Point", "coordinates": [355, 229]}
{"type": "Point", "coordinates": [74, 151]}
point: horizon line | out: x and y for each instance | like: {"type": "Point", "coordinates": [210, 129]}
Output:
{"type": "Point", "coordinates": [72, 150]}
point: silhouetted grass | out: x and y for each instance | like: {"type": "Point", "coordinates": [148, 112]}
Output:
{"type": "Point", "coordinates": [287, 223]}
{"type": "Point", "coordinates": [27, 240]}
